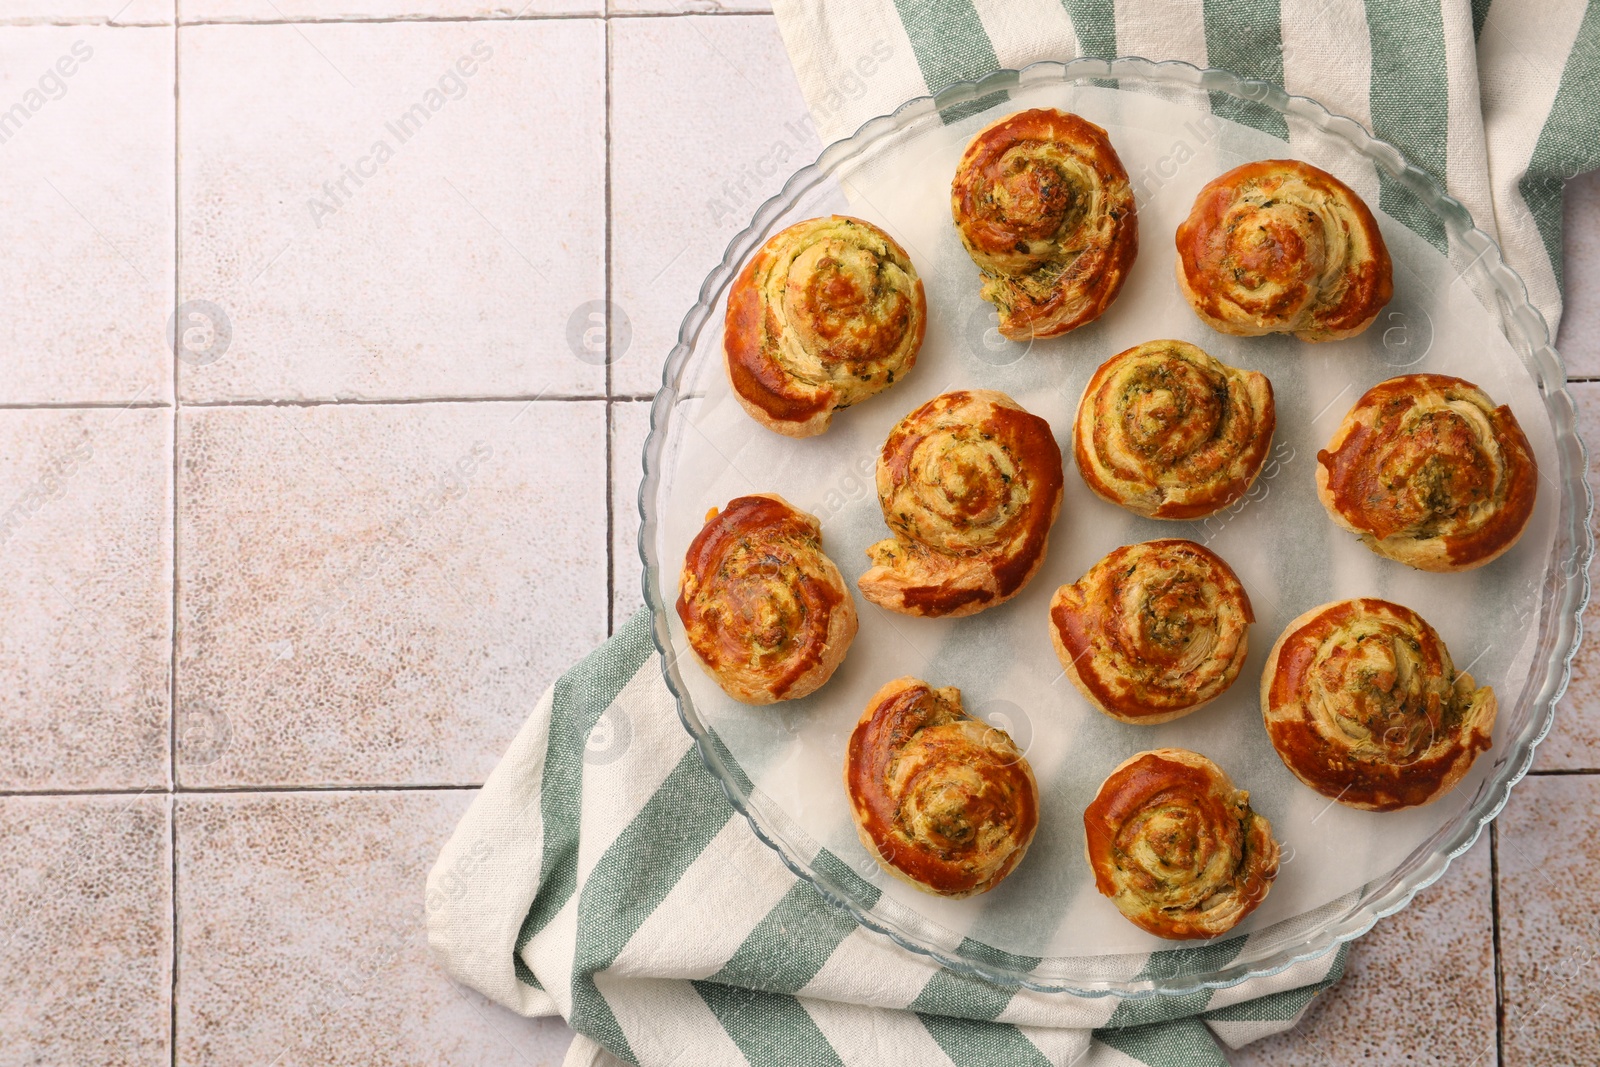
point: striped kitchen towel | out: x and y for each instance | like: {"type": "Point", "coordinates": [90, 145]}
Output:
{"type": "Point", "coordinates": [1499, 99]}
{"type": "Point", "coordinates": [602, 874]}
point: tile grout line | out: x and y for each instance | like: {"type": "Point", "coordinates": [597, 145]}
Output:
{"type": "Point", "coordinates": [216, 790]}
{"type": "Point", "coordinates": [563, 16]}
{"type": "Point", "coordinates": [172, 668]}
{"type": "Point", "coordinates": [610, 421]}
{"type": "Point", "coordinates": [1499, 968]}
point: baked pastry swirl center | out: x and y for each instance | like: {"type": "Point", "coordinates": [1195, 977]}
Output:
{"type": "Point", "coordinates": [1364, 704]}
{"type": "Point", "coordinates": [1169, 432]}
{"type": "Point", "coordinates": [1430, 472]}
{"type": "Point", "coordinates": [1043, 206]}
{"type": "Point", "coordinates": [1280, 246]}
{"type": "Point", "coordinates": [764, 608]}
{"type": "Point", "coordinates": [969, 484]}
{"type": "Point", "coordinates": [942, 800]}
{"type": "Point", "coordinates": [1152, 631]}
{"type": "Point", "coordinates": [828, 313]}
{"type": "Point", "coordinates": [1176, 847]}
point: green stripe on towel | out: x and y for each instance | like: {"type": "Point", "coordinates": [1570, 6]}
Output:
{"type": "Point", "coordinates": [1410, 102]}
{"type": "Point", "coordinates": [1246, 37]}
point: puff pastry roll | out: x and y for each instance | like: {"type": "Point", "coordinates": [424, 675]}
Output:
{"type": "Point", "coordinates": [1428, 471]}
{"type": "Point", "coordinates": [1169, 432]}
{"type": "Point", "coordinates": [969, 484]}
{"type": "Point", "coordinates": [942, 800]}
{"type": "Point", "coordinates": [1280, 246]}
{"type": "Point", "coordinates": [1176, 847]}
{"type": "Point", "coordinates": [767, 613]}
{"type": "Point", "coordinates": [1153, 631]}
{"type": "Point", "coordinates": [1044, 207]}
{"type": "Point", "coordinates": [828, 313]}
{"type": "Point", "coordinates": [1364, 705]}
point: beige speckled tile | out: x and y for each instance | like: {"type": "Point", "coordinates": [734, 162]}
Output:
{"type": "Point", "coordinates": [357, 10]}
{"type": "Point", "coordinates": [378, 594]}
{"type": "Point", "coordinates": [1574, 741]}
{"type": "Point", "coordinates": [1549, 847]}
{"type": "Point", "coordinates": [1418, 989]}
{"type": "Point", "coordinates": [630, 425]}
{"type": "Point", "coordinates": [707, 122]}
{"type": "Point", "coordinates": [413, 210]}
{"type": "Point", "coordinates": [1579, 338]}
{"type": "Point", "coordinates": [86, 947]}
{"type": "Point", "coordinates": [86, 604]}
{"type": "Point", "coordinates": [88, 219]}
{"type": "Point", "coordinates": [301, 938]}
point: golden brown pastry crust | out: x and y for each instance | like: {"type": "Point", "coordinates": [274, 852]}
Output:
{"type": "Point", "coordinates": [969, 484]}
{"type": "Point", "coordinates": [1176, 847]}
{"type": "Point", "coordinates": [767, 613]}
{"type": "Point", "coordinates": [942, 800]}
{"type": "Point", "coordinates": [1430, 472]}
{"type": "Point", "coordinates": [1153, 631]}
{"type": "Point", "coordinates": [828, 313]}
{"type": "Point", "coordinates": [1280, 246]}
{"type": "Point", "coordinates": [1364, 705]}
{"type": "Point", "coordinates": [1044, 207]}
{"type": "Point", "coordinates": [1167, 431]}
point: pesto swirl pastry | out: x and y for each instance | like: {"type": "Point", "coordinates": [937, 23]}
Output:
{"type": "Point", "coordinates": [828, 313]}
{"type": "Point", "coordinates": [1428, 471]}
{"type": "Point", "coordinates": [1169, 432]}
{"type": "Point", "coordinates": [1176, 847]}
{"type": "Point", "coordinates": [969, 484]}
{"type": "Point", "coordinates": [1153, 631]}
{"type": "Point", "coordinates": [1280, 246]}
{"type": "Point", "coordinates": [1364, 705]}
{"type": "Point", "coordinates": [1043, 206]}
{"type": "Point", "coordinates": [766, 612]}
{"type": "Point", "coordinates": [940, 799]}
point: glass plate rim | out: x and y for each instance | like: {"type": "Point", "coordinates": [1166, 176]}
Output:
{"type": "Point", "coordinates": [1570, 596]}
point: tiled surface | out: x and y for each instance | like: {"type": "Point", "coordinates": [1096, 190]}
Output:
{"type": "Point", "coordinates": [87, 12]}
{"type": "Point", "coordinates": [90, 163]}
{"type": "Point", "coordinates": [1549, 846]}
{"type": "Point", "coordinates": [630, 425]}
{"type": "Point", "coordinates": [373, 594]}
{"type": "Point", "coordinates": [359, 10]}
{"type": "Point", "coordinates": [370, 231]}
{"type": "Point", "coordinates": [1381, 1013]}
{"type": "Point", "coordinates": [86, 947]}
{"type": "Point", "coordinates": [377, 594]}
{"type": "Point", "coordinates": [302, 939]}
{"type": "Point", "coordinates": [86, 535]}
{"type": "Point", "coordinates": [707, 122]}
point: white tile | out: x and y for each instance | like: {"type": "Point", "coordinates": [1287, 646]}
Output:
{"type": "Point", "coordinates": [86, 603]}
{"type": "Point", "coordinates": [302, 939]}
{"type": "Point", "coordinates": [378, 594]}
{"type": "Point", "coordinates": [356, 255]}
{"type": "Point", "coordinates": [87, 219]}
{"type": "Point", "coordinates": [87, 12]}
{"type": "Point", "coordinates": [707, 122]}
{"type": "Point", "coordinates": [355, 10]}
{"type": "Point", "coordinates": [86, 888]}
{"type": "Point", "coordinates": [687, 7]}
{"type": "Point", "coordinates": [1579, 338]}
{"type": "Point", "coordinates": [630, 425]}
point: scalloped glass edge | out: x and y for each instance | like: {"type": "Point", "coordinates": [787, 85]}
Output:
{"type": "Point", "coordinates": [1574, 540]}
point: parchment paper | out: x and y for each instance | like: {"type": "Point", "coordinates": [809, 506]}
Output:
{"type": "Point", "coordinates": [1279, 540]}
